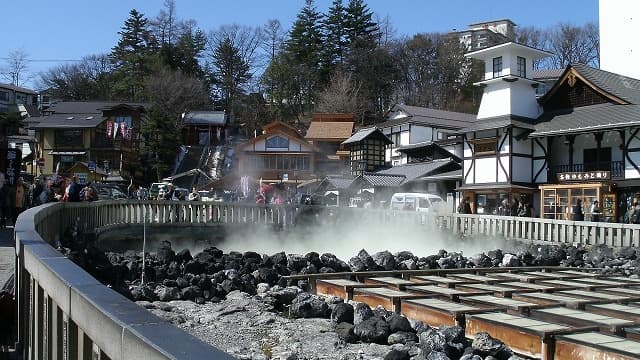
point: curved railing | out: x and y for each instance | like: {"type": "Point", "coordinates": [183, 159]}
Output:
{"type": "Point", "coordinates": [64, 313]}
{"type": "Point", "coordinates": [67, 314]}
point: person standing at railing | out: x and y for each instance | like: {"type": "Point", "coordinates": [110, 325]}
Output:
{"type": "Point", "coordinates": [578, 214]}
{"type": "Point", "coordinates": [595, 211]}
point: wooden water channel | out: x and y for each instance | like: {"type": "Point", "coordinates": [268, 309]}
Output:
{"type": "Point", "coordinates": [548, 313]}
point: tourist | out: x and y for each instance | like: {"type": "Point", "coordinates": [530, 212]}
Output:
{"type": "Point", "coordinates": [194, 195]}
{"type": "Point", "coordinates": [465, 206]}
{"type": "Point", "coordinates": [15, 200]}
{"type": "Point", "coordinates": [168, 195]}
{"type": "Point", "coordinates": [260, 198]}
{"type": "Point", "coordinates": [513, 211]}
{"type": "Point", "coordinates": [525, 210]}
{"type": "Point", "coordinates": [504, 209]}
{"type": "Point", "coordinates": [89, 193]}
{"type": "Point", "coordinates": [73, 190]}
{"type": "Point", "coordinates": [578, 214]}
{"type": "Point", "coordinates": [595, 211]}
{"type": "Point", "coordinates": [633, 215]}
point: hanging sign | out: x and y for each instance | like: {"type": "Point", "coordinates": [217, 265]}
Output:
{"type": "Point", "coordinates": [584, 176]}
{"type": "Point", "coordinates": [109, 129]}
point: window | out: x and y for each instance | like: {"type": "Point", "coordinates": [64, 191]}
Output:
{"type": "Point", "coordinates": [396, 139]}
{"type": "Point", "coordinates": [522, 67]}
{"type": "Point", "coordinates": [4, 96]}
{"type": "Point", "coordinates": [497, 66]}
{"type": "Point", "coordinates": [68, 137]}
{"type": "Point", "coordinates": [278, 142]}
{"type": "Point", "coordinates": [485, 146]}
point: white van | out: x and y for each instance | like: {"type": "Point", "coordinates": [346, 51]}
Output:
{"type": "Point", "coordinates": [417, 202]}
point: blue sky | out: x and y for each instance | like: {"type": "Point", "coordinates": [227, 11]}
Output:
{"type": "Point", "coordinates": [70, 29]}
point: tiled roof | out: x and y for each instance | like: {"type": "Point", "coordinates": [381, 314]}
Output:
{"type": "Point", "coordinates": [500, 122]}
{"type": "Point", "coordinates": [88, 107]}
{"type": "Point", "coordinates": [217, 118]}
{"type": "Point", "coordinates": [330, 130]}
{"type": "Point", "coordinates": [335, 182]}
{"type": "Point", "coordinates": [415, 170]}
{"type": "Point", "coordinates": [441, 118]}
{"type": "Point", "coordinates": [18, 89]}
{"type": "Point", "coordinates": [68, 121]}
{"type": "Point", "coordinates": [365, 133]}
{"type": "Point", "coordinates": [383, 179]}
{"type": "Point", "coordinates": [544, 74]}
{"type": "Point", "coordinates": [621, 86]}
{"type": "Point", "coordinates": [587, 119]}
{"type": "Point", "coordinates": [449, 175]}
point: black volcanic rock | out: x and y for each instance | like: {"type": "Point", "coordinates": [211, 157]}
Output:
{"type": "Point", "coordinates": [306, 305]}
{"type": "Point", "coordinates": [342, 313]}
{"type": "Point", "coordinates": [374, 330]}
{"type": "Point", "coordinates": [361, 312]}
{"type": "Point", "coordinates": [398, 323]}
{"type": "Point", "coordinates": [385, 260]}
{"type": "Point", "coordinates": [165, 254]}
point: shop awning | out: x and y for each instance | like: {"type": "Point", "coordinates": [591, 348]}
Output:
{"type": "Point", "coordinates": [53, 152]}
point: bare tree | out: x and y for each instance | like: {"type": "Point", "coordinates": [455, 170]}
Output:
{"type": "Point", "coordinates": [164, 25]}
{"type": "Point", "coordinates": [88, 79]}
{"type": "Point", "coordinates": [244, 38]}
{"type": "Point", "coordinates": [387, 32]}
{"type": "Point", "coordinates": [16, 68]}
{"type": "Point", "coordinates": [341, 96]}
{"type": "Point", "coordinates": [574, 44]}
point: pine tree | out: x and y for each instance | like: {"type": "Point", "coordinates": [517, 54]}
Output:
{"type": "Point", "coordinates": [361, 29]}
{"type": "Point", "coordinates": [303, 51]}
{"type": "Point", "coordinates": [230, 73]}
{"type": "Point", "coordinates": [131, 56]}
{"type": "Point", "coordinates": [305, 38]}
{"type": "Point", "coordinates": [335, 44]}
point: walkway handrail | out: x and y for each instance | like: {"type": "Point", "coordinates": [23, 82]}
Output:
{"type": "Point", "coordinates": [544, 230]}
{"type": "Point", "coordinates": [64, 313]}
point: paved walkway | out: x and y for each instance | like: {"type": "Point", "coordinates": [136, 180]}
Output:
{"type": "Point", "coordinates": [7, 255]}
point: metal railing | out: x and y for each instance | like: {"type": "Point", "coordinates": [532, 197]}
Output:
{"type": "Point", "coordinates": [67, 314]}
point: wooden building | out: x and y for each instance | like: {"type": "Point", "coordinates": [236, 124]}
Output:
{"type": "Point", "coordinates": [280, 155]}
{"type": "Point", "coordinates": [366, 150]}
{"type": "Point", "coordinates": [327, 132]}
{"type": "Point", "coordinates": [204, 128]}
{"type": "Point", "coordinates": [106, 133]}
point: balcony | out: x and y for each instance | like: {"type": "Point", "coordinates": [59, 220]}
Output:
{"type": "Point", "coordinates": [615, 167]}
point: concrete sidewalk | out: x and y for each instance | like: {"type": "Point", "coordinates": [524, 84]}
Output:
{"type": "Point", "coordinates": [7, 255]}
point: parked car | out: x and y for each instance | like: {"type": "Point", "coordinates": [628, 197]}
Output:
{"type": "Point", "coordinates": [206, 195]}
{"type": "Point", "coordinates": [109, 192]}
{"type": "Point", "coordinates": [416, 202]}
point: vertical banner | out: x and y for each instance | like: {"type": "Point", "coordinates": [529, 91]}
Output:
{"type": "Point", "coordinates": [123, 129]}
{"type": "Point", "coordinates": [109, 128]}
{"type": "Point", "coordinates": [12, 170]}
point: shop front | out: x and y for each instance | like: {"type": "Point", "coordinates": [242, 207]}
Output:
{"type": "Point", "coordinates": [559, 199]}
{"type": "Point", "coordinates": [487, 199]}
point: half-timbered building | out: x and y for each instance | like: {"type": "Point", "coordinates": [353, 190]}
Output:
{"type": "Point", "coordinates": [499, 159]}
{"type": "Point", "coordinates": [578, 142]}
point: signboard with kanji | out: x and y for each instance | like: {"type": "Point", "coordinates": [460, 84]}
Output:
{"type": "Point", "coordinates": [585, 176]}
{"type": "Point", "coordinates": [10, 166]}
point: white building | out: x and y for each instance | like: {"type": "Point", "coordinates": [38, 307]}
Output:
{"type": "Point", "coordinates": [619, 24]}
{"type": "Point", "coordinates": [578, 141]}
